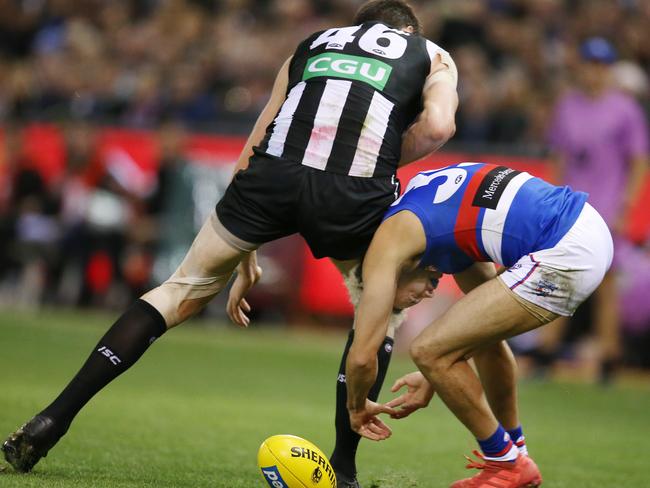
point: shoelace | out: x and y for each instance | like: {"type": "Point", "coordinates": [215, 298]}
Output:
{"type": "Point", "coordinates": [473, 464]}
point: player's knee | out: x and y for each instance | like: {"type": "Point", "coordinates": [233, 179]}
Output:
{"type": "Point", "coordinates": [420, 352]}
{"type": "Point", "coordinates": [189, 308]}
{"type": "Point", "coordinates": [180, 298]}
{"type": "Point", "coordinates": [428, 353]}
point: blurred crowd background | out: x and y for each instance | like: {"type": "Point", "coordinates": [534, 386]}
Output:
{"type": "Point", "coordinates": [99, 231]}
{"type": "Point", "coordinates": [211, 63]}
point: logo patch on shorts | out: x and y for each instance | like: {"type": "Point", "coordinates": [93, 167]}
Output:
{"type": "Point", "coordinates": [544, 288]}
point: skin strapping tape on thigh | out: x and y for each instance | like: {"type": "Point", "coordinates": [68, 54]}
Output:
{"type": "Point", "coordinates": [199, 287]}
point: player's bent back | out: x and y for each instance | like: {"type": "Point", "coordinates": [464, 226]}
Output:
{"type": "Point", "coordinates": [555, 246]}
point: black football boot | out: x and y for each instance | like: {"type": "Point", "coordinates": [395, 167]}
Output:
{"type": "Point", "coordinates": [25, 447]}
{"type": "Point", "coordinates": [344, 481]}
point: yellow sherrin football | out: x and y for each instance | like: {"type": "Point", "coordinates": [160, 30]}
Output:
{"type": "Point", "coordinates": [287, 461]}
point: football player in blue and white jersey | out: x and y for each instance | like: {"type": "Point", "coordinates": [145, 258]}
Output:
{"type": "Point", "coordinates": [460, 220]}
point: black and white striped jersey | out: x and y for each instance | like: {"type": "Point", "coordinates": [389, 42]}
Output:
{"type": "Point", "coordinates": [352, 92]}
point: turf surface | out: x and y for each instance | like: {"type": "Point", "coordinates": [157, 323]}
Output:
{"type": "Point", "coordinates": [193, 412]}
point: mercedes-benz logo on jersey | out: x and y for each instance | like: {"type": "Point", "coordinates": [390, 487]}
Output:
{"type": "Point", "coordinates": [317, 475]}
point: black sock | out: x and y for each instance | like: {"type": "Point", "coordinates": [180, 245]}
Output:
{"type": "Point", "coordinates": [117, 351]}
{"type": "Point", "coordinates": [343, 458]}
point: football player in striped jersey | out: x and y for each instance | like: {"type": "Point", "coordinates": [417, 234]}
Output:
{"type": "Point", "coordinates": [460, 220]}
{"type": "Point", "coordinates": [347, 109]}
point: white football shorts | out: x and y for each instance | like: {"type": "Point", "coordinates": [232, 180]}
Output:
{"type": "Point", "coordinates": [562, 277]}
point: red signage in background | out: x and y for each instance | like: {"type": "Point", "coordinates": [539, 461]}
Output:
{"type": "Point", "coordinates": [321, 290]}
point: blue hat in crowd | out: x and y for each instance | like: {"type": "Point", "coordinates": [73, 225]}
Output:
{"type": "Point", "coordinates": [598, 49]}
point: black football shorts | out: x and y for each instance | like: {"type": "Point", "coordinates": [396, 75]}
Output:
{"type": "Point", "coordinates": [336, 214]}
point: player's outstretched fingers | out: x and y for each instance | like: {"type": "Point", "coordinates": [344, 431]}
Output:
{"type": "Point", "coordinates": [232, 312]}
{"type": "Point", "coordinates": [386, 408]}
{"type": "Point", "coordinates": [243, 317]}
{"type": "Point", "coordinates": [400, 401]}
{"type": "Point", "coordinates": [402, 412]}
{"type": "Point", "coordinates": [236, 314]}
{"type": "Point", "coordinates": [368, 434]}
{"type": "Point", "coordinates": [380, 428]}
{"type": "Point", "coordinates": [398, 384]}
{"type": "Point", "coordinates": [377, 408]}
{"type": "Point", "coordinates": [373, 432]}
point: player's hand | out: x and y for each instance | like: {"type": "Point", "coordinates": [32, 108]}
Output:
{"type": "Point", "coordinates": [366, 423]}
{"type": "Point", "coordinates": [418, 395]}
{"type": "Point", "coordinates": [248, 273]}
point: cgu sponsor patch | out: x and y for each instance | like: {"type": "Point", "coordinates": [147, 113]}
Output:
{"type": "Point", "coordinates": [368, 70]}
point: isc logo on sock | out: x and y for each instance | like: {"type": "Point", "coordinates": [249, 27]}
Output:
{"type": "Point", "coordinates": [112, 357]}
{"type": "Point", "coordinates": [273, 477]}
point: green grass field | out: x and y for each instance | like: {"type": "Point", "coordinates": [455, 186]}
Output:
{"type": "Point", "coordinates": [194, 411]}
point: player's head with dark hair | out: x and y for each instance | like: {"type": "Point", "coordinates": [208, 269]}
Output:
{"type": "Point", "coordinates": [394, 13]}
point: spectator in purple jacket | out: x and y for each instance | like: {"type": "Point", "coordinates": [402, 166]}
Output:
{"type": "Point", "coordinates": [600, 138]}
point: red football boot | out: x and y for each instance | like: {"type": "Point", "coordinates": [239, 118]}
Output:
{"type": "Point", "coordinates": [522, 473]}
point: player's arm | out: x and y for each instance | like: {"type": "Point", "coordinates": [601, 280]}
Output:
{"type": "Point", "coordinates": [397, 242]}
{"type": "Point", "coordinates": [475, 275]}
{"type": "Point", "coordinates": [248, 271]}
{"type": "Point", "coordinates": [278, 95]}
{"type": "Point", "coordinates": [436, 124]}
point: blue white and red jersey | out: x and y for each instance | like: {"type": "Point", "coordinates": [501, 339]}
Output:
{"type": "Point", "coordinates": [474, 212]}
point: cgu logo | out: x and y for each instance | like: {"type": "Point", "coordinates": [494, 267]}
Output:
{"type": "Point", "coordinates": [368, 70]}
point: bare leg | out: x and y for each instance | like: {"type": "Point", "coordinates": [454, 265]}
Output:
{"type": "Point", "coordinates": [204, 272]}
{"type": "Point", "coordinates": [497, 370]}
{"type": "Point", "coordinates": [486, 315]}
